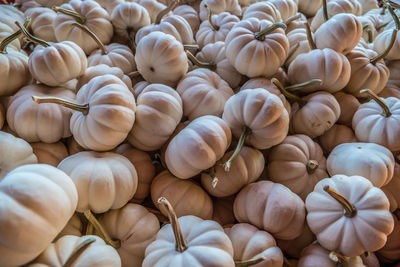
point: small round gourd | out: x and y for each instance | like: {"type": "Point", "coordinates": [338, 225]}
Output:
{"type": "Point", "coordinates": [190, 14]}
{"type": "Point", "coordinates": [390, 253]}
{"type": "Point", "coordinates": [348, 106]}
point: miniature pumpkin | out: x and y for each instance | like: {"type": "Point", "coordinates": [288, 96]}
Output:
{"type": "Point", "coordinates": [144, 168]}
{"type": "Point", "coordinates": [286, 8]}
{"type": "Point", "coordinates": [73, 227]}
{"type": "Point", "coordinates": [104, 180]}
{"type": "Point", "coordinates": [158, 112]}
{"type": "Point", "coordinates": [182, 243]}
{"type": "Point", "coordinates": [390, 90]}
{"type": "Point", "coordinates": [348, 106]}
{"type": "Point", "coordinates": [218, 6]}
{"type": "Point", "coordinates": [298, 163]}
{"type": "Point", "coordinates": [271, 207]}
{"type": "Point", "coordinates": [298, 44]}
{"type": "Point", "coordinates": [393, 187]}
{"type": "Point", "coordinates": [262, 10]}
{"type": "Point", "coordinates": [390, 253]}
{"type": "Point", "coordinates": [186, 197]}
{"type": "Point", "coordinates": [336, 135]}
{"type": "Point", "coordinates": [160, 58]}
{"type": "Point", "coordinates": [198, 146]}
{"type": "Point", "coordinates": [251, 244]}
{"type": "Point", "coordinates": [384, 40]}
{"type": "Point", "coordinates": [190, 14]}
{"type": "Point", "coordinates": [42, 22]}
{"type": "Point", "coordinates": [369, 160]}
{"type": "Point", "coordinates": [37, 202]}
{"type": "Point", "coordinates": [153, 7]}
{"type": "Point", "coordinates": [349, 215]}
{"type": "Point", "coordinates": [309, 7]}
{"type": "Point", "coordinates": [51, 154]}
{"type": "Point", "coordinates": [257, 48]}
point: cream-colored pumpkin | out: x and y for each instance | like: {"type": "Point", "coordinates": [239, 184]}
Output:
{"type": "Point", "coordinates": [392, 188]}
{"type": "Point", "coordinates": [271, 207]}
{"type": "Point", "coordinates": [349, 215]}
{"type": "Point", "coordinates": [309, 7]}
{"type": "Point", "coordinates": [93, 16]}
{"type": "Point", "coordinates": [203, 92]}
{"type": "Point", "coordinates": [190, 14]}
{"type": "Point", "coordinates": [246, 169]}
{"type": "Point", "coordinates": [135, 228]}
{"type": "Point", "coordinates": [286, 8]}
{"type": "Point", "coordinates": [47, 122]}
{"type": "Point", "coordinates": [154, 8]}
{"type": "Point", "coordinates": [250, 243]}
{"type": "Point", "coordinates": [298, 44]}
{"type": "Point", "coordinates": [348, 106]}
{"type": "Point", "coordinates": [218, 6]}
{"type": "Point", "coordinates": [88, 250]}
{"type": "Point", "coordinates": [183, 243]}
{"type": "Point", "coordinates": [14, 152]}
{"type": "Point", "coordinates": [198, 146]}
{"type": "Point", "coordinates": [327, 65]}
{"type": "Point", "coordinates": [369, 160]}
{"type": "Point", "coordinates": [100, 70]}
{"type": "Point", "coordinates": [262, 10]}
{"type": "Point", "coordinates": [223, 210]}
{"type": "Point", "coordinates": [341, 33]}
{"type": "Point", "coordinates": [160, 58]}
{"type": "Point", "coordinates": [104, 180]}
{"type": "Point", "coordinates": [293, 248]}
{"type": "Point", "coordinates": [216, 28]}
{"type": "Point", "coordinates": [58, 63]}
{"type": "Point", "coordinates": [37, 202]}
{"type": "Point", "coordinates": [73, 227]}
{"type": "Point", "coordinates": [383, 40]}
{"type": "Point", "coordinates": [51, 154]}
{"type": "Point", "coordinates": [257, 48]}
{"type": "Point", "coordinates": [336, 135]}
{"type": "Point", "coordinates": [158, 112]}
{"type": "Point", "coordinates": [109, 5]}
{"type": "Point", "coordinates": [298, 163]}
{"type": "Point", "coordinates": [215, 54]}
{"type": "Point", "coordinates": [42, 22]}
{"type": "Point", "coordinates": [144, 168]}
{"type": "Point", "coordinates": [185, 196]}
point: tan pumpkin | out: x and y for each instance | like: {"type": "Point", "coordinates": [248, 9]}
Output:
{"type": "Point", "coordinates": [51, 154]}
{"type": "Point", "coordinates": [251, 244]}
{"type": "Point", "coordinates": [394, 69]}
{"type": "Point", "coordinates": [135, 228]}
{"type": "Point", "coordinates": [88, 13]}
{"type": "Point", "coordinates": [46, 123]}
{"type": "Point", "coordinates": [369, 160]}
{"type": "Point", "coordinates": [73, 227]}
{"type": "Point", "coordinates": [104, 180]}
{"type": "Point", "coordinates": [42, 22]}
{"type": "Point", "coordinates": [190, 14]}
{"type": "Point", "coordinates": [393, 187]}
{"type": "Point", "coordinates": [88, 250]}
{"type": "Point", "coordinates": [203, 92]}
{"type": "Point", "coordinates": [336, 135]}
{"type": "Point", "coordinates": [293, 248]}
{"type": "Point", "coordinates": [160, 58]}
{"type": "Point", "coordinates": [349, 215]}
{"type": "Point", "coordinates": [214, 55]}
{"type": "Point", "coordinates": [390, 253]}
{"type": "Point", "coordinates": [298, 44]}
{"type": "Point", "coordinates": [158, 112]}
{"type": "Point", "coordinates": [218, 6]}
{"type": "Point", "coordinates": [383, 40]}
{"type": "Point", "coordinates": [246, 169]}
{"type": "Point", "coordinates": [309, 7]}
{"type": "Point", "coordinates": [37, 202]}
{"type": "Point", "coordinates": [14, 152]}
{"type": "Point", "coordinates": [223, 210]}
{"type": "Point", "coordinates": [144, 168]}
{"type": "Point", "coordinates": [298, 163]}
{"type": "Point", "coordinates": [348, 106]}
{"type": "Point", "coordinates": [216, 28]}
{"type": "Point", "coordinates": [271, 207]}
{"type": "Point", "coordinates": [24, 5]}
{"type": "Point", "coordinates": [198, 146]}
{"type": "Point", "coordinates": [372, 125]}
{"type": "Point", "coordinates": [186, 197]}
{"type": "Point", "coordinates": [73, 146]}
{"type": "Point", "coordinates": [2, 116]}
{"type": "Point", "coordinates": [262, 10]}
{"type": "Point", "coordinates": [182, 243]}
{"type": "Point", "coordinates": [390, 90]}
{"type": "Point", "coordinates": [257, 48]}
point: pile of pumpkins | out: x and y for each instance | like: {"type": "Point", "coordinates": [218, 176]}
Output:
{"type": "Point", "coordinates": [199, 133]}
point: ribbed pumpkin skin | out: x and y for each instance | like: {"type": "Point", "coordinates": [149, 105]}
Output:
{"type": "Point", "coordinates": [14, 72]}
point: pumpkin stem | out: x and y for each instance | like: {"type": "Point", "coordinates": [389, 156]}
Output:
{"type": "Point", "coordinates": [394, 15]}
{"type": "Point", "coordinates": [387, 50]}
{"type": "Point", "coordinates": [158, 158]}
{"type": "Point", "coordinates": [338, 258]}
{"type": "Point", "coordinates": [287, 94]}
{"type": "Point", "coordinates": [246, 131]}
{"type": "Point", "coordinates": [302, 85]}
{"type": "Point", "coordinates": [131, 38]}
{"type": "Point", "coordinates": [312, 165]}
{"type": "Point", "coordinates": [92, 35]}
{"type": "Point", "coordinates": [349, 209]}
{"type": "Point", "coordinates": [133, 74]}
{"type": "Point", "coordinates": [261, 34]}
{"type": "Point", "coordinates": [78, 17]}
{"type": "Point", "coordinates": [190, 46]}
{"type": "Point", "coordinates": [200, 64]}
{"type": "Point", "coordinates": [12, 37]}
{"type": "Point", "coordinates": [84, 108]}
{"type": "Point", "coordinates": [386, 109]}
{"type": "Point", "coordinates": [180, 244]}
{"type": "Point", "coordinates": [292, 18]}
{"type": "Point", "coordinates": [209, 17]}
{"type": "Point", "coordinates": [291, 52]}
{"type": "Point", "coordinates": [251, 262]}
{"type": "Point", "coordinates": [99, 228]}
{"type": "Point", "coordinates": [89, 229]}
{"type": "Point", "coordinates": [325, 10]}
{"type": "Point", "coordinates": [383, 12]}
{"type": "Point", "coordinates": [31, 37]}
{"type": "Point", "coordinates": [78, 251]}
{"type": "Point", "coordinates": [310, 39]}
{"type": "Point", "coordinates": [165, 11]}
{"type": "Point", "coordinates": [211, 172]}
{"type": "Point", "coordinates": [381, 26]}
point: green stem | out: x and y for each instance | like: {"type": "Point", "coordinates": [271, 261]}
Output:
{"type": "Point", "coordinates": [84, 108]}
{"type": "Point", "coordinates": [291, 52]}
{"type": "Point", "coordinates": [382, 26]}
{"type": "Point", "coordinates": [387, 50]}
{"type": "Point", "coordinates": [200, 64]}
{"type": "Point", "coordinates": [12, 37]}
{"type": "Point", "coordinates": [369, 32]}
{"type": "Point", "coordinates": [78, 17]}
{"type": "Point", "coordinates": [287, 94]}
{"type": "Point", "coordinates": [292, 18]}
{"type": "Point", "coordinates": [394, 16]}
{"type": "Point", "coordinates": [209, 17]}
{"type": "Point", "coordinates": [92, 35]}
{"type": "Point", "coordinates": [165, 11]}
{"type": "Point", "coordinates": [325, 10]}
{"type": "Point", "coordinates": [385, 108]}
{"type": "Point", "coordinates": [190, 46]}
{"type": "Point", "coordinates": [131, 37]}
{"type": "Point", "coordinates": [302, 85]}
{"type": "Point", "coordinates": [31, 37]}
{"type": "Point", "coordinates": [261, 34]}
{"type": "Point", "coordinates": [349, 209]}
{"type": "Point", "coordinates": [78, 251]}
{"type": "Point", "coordinates": [246, 131]}
{"type": "Point", "coordinates": [310, 39]}
{"type": "Point", "coordinates": [250, 262]}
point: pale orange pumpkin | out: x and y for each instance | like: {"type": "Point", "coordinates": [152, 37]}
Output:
{"type": "Point", "coordinates": [348, 106]}
{"type": "Point", "coordinates": [336, 135]}
{"type": "Point", "coordinates": [51, 154]}
{"type": "Point", "coordinates": [390, 90]}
